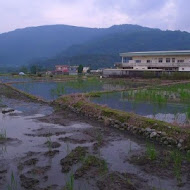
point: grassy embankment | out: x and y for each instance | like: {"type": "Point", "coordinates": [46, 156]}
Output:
{"type": "Point", "coordinates": [81, 103]}
{"type": "Point", "coordinates": [12, 92]}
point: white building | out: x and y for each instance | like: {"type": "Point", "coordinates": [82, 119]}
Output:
{"type": "Point", "coordinates": [86, 69]}
{"type": "Point", "coordinates": [156, 60]}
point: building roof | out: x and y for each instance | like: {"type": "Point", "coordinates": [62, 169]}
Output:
{"type": "Point", "coordinates": [133, 69]}
{"type": "Point", "coordinates": [155, 53]}
{"type": "Point", "coordinates": [61, 66]}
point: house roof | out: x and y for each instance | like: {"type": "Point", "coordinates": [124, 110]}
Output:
{"type": "Point", "coordinates": [155, 53]}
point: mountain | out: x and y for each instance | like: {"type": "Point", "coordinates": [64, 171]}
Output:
{"type": "Point", "coordinates": [136, 41]}
{"type": "Point", "coordinates": [24, 46]}
{"type": "Point", "coordinates": [96, 52]}
{"type": "Point", "coordinates": [98, 47]}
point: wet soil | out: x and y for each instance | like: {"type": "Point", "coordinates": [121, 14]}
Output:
{"type": "Point", "coordinates": [47, 148]}
{"type": "Point", "coordinates": [166, 164]}
{"type": "Point", "coordinates": [117, 181]}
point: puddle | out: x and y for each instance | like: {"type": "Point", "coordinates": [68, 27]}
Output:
{"type": "Point", "coordinates": [117, 153]}
{"type": "Point", "coordinates": [17, 125]}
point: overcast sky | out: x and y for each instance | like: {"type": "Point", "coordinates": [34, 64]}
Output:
{"type": "Point", "coordinates": [163, 14]}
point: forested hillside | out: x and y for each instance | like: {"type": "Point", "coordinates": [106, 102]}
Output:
{"type": "Point", "coordinates": [98, 47]}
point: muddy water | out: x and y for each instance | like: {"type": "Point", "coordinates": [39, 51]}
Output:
{"type": "Point", "coordinates": [19, 143]}
{"type": "Point", "coordinates": [169, 112]}
{"type": "Point", "coordinates": [26, 137]}
{"type": "Point", "coordinates": [118, 152]}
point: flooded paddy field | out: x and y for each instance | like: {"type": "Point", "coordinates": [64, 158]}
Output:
{"type": "Point", "coordinates": [43, 147]}
{"type": "Point", "coordinates": [51, 90]}
{"type": "Point", "coordinates": [10, 78]}
{"type": "Point", "coordinates": [166, 103]}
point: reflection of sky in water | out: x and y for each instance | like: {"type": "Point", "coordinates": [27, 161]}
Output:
{"type": "Point", "coordinates": [169, 112]}
{"type": "Point", "coordinates": [51, 90]}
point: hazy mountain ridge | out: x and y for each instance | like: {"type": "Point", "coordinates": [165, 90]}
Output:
{"type": "Point", "coordinates": [137, 41]}
{"type": "Point", "coordinates": [63, 44]}
{"type": "Point", "coordinates": [22, 46]}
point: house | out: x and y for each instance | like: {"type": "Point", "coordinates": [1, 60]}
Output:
{"type": "Point", "coordinates": [152, 60]}
{"type": "Point", "coordinates": [73, 70]}
{"type": "Point", "coordinates": [61, 69]}
{"type": "Point", "coordinates": [49, 72]}
{"type": "Point", "coordinates": [86, 69]}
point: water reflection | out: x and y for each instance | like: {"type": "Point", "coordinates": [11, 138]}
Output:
{"type": "Point", "coordinates": [52, 90]}
{"type": "Point", "coordinates": [165, 111]}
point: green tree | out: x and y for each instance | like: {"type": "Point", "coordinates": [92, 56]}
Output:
{"type": "Point", "coordinates": [23, 69]}
{"type": "Point", "coordinates": [80, 69]}
{"type": "Point", "coordinates": [33, 69]}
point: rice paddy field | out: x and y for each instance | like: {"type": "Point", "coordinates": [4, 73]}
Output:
{"type": "Point", "coordinates": [50, 90]}
{"type": "Point", "coordinates": [166, 103]}
{"type": "Point", "coordinates": [44, 146]}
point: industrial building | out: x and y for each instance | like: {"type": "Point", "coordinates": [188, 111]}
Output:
{"type": "Point", "coordinates": [155, 61]}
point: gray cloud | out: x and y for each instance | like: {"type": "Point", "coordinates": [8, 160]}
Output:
{"type": "Point", "coordinates": [164, 14]}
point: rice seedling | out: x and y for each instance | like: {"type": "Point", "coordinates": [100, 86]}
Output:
{"type": "Point", "coordinates": [13, 183]}
{"type": "Point", "coordinates": [130, 146]}
{"type": "Point", "coordinates": [3, 134]}
{"type": "Point", "coordinates": [104, 167]}
{"type": "Point", "coordinates": [151, 151]}
{"type": "Point", "coordinates": [99, 138]}
{"type": "Point", "coordinates": [166, 159]}
{"type": "Point", "coordinates": [188, 156]}
{"type": "Point", "coordinates": [49, 142]}
{"type": "Point", "coordinates": [188, 113]}
{"type": "Point", "coordinates": [177, 159]}
{"type": "Point", "coordinates": [3, 149]}
{"type": "Point", "coordinates": [70, 183]}
{"type": "Point", "coordinates": [59, 90]}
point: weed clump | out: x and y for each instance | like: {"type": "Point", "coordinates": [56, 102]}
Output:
{"type": "Point", "coordinates": [72, 158]}
{"type": "Point", "coordinates": [92, 162]}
